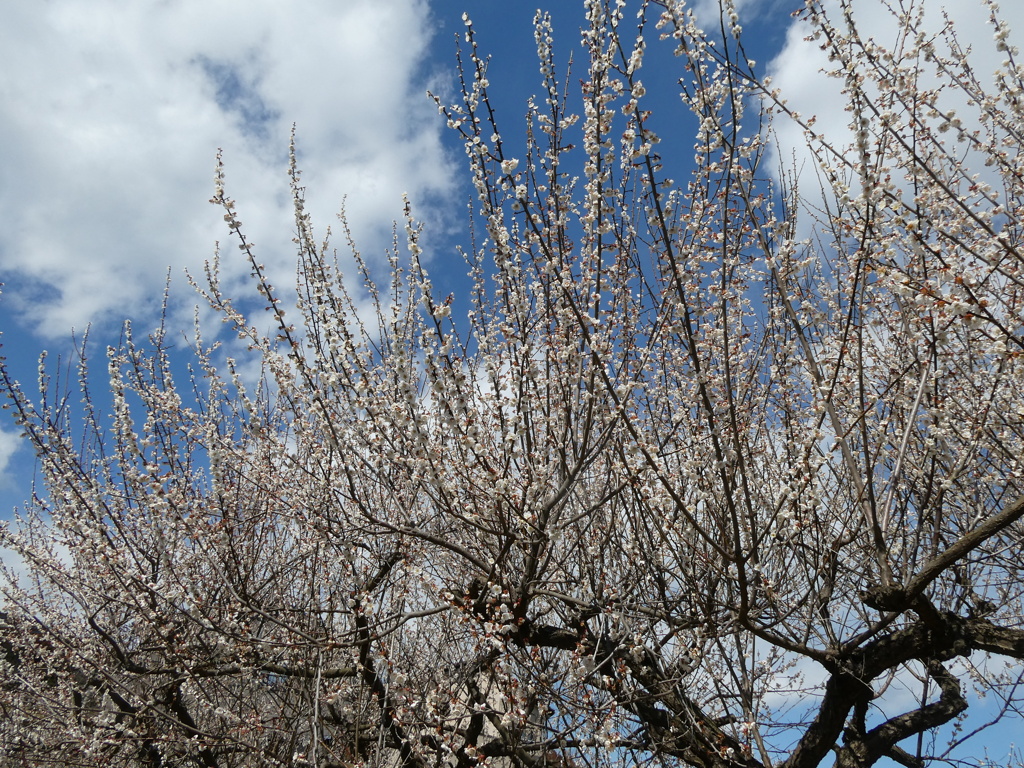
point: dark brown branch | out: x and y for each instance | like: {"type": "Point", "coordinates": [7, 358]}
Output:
{"type": "Point", "coordinates": [952, 636]}
{"type": "Point", "coordinates": [863, 750]}
{"type": "Point", "coordinates": [1004, 641]}
{"type": "Point", "coordinates": [894, 598]}
{"type": "Point", "coordinates": [842, 692]}
{"type": "Point", "coordinates": [177, 706]}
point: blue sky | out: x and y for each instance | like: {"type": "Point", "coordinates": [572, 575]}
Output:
{"type": "Point", "coordinates": [111, 115]}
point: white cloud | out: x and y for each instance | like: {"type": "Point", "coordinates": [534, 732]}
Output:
{"type": "Point", "coordinates": [112, 113]}
{"type": "Point", "coordinates": [9, 443]}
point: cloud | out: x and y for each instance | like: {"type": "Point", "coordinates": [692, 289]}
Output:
{"type": "Point", "coordinates": [112, 114]}
{"type": "Point", "coordinates": [9, 443]}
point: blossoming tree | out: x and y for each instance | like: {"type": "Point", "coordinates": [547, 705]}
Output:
{"type": "Point", "coordinates": [698, 473]}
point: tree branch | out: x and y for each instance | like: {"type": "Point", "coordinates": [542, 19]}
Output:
{"type": "Point", "coordinates": [866, 749]}
{"type": "Point", "coordinates": [895, 598]}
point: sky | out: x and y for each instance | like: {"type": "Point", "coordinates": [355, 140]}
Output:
{"type": "Point", "coordinates": [112, 114]}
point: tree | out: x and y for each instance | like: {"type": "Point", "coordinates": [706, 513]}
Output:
{"type": "Point", "coordinates": [704, 471]}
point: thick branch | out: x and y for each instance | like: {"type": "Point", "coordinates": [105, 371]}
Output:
{"type": "Point", "coordinates": [893, 598]}
{"type": "Point", "coordinates": [866, 749]}
{"type": "Point", "coordinates": [842, 692]}
{"type": "Point", "coordinates": [943, 636]}
{"type": "Point", "coordinates": [1004, 641]}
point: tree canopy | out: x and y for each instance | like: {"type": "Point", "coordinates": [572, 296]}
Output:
{"type": "Point", "coordinates": [698, 472]}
